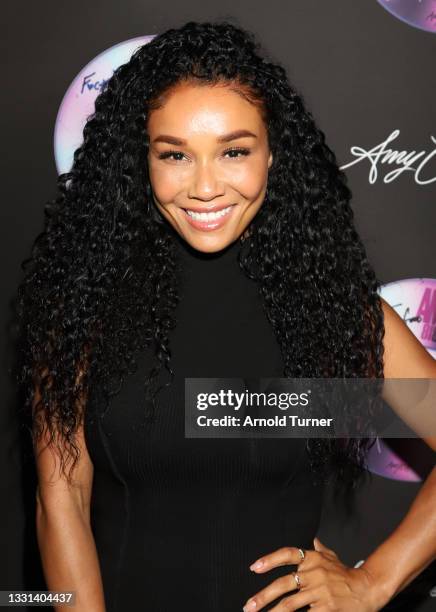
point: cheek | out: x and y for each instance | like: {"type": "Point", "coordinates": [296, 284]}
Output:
{"type": "Point", "coordinates": [249, 179]}
{"type": "Point", "coordinates": [166, 182]}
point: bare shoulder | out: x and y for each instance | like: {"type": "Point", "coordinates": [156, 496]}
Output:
{"type": "Point", "coordinates": [404, 355]}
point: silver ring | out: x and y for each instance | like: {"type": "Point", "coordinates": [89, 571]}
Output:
{"type": "Point", "coordinates": [297, 580]}
{"type": "Point", "coordinates": [302, 554]}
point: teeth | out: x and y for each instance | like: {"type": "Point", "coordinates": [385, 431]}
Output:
{"type": "Point", "coordinates": [211, 216]}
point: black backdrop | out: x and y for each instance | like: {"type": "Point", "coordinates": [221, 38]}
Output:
{"type": "Point", "coordinates": [363, 74]}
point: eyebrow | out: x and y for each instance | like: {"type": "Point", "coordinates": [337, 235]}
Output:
{"type": "Point", "coordinates": [226, 138]}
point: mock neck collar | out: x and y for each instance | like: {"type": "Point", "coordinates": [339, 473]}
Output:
{"type": "Point", "coordinates": [189, 254]}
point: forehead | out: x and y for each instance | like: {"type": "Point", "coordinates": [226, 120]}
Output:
{"type": "Point", "coordinates": [215, 109]}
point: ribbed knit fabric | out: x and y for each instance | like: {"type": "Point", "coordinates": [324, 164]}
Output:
{"type": "Point", "coordinates": [178, 521]}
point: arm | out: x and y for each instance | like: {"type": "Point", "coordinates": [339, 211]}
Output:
{"type": "Point", "coordinates": [412, 545]}
{"type": "Point", "coordinates": [65, 539]}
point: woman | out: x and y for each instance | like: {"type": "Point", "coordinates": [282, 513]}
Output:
{"type": "Point", "coordinates": [204, 230]}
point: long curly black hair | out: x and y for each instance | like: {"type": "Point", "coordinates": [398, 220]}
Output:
{"type": "Point", "coordinates": [101, 283]}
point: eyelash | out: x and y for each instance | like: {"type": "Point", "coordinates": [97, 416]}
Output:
{"type": "Point", "coordinates": [242, 150]}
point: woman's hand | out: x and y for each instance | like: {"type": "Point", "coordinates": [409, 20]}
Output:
{"type": "Point", "coordinates": [325, 583]}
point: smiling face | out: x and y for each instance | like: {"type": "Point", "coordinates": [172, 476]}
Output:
{"type": "Point", "coordinates": [208, 152]}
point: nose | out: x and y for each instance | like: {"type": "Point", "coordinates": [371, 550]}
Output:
{"type": "Point", "coordinates": [205, 185]}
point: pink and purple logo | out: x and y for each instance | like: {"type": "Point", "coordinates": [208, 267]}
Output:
{"type": "Point", "coordinates": [414, 299]}
{"type": "Point", "coordinates": [78, 101]}
{"type": "Point", "coordinates": [417, 13]}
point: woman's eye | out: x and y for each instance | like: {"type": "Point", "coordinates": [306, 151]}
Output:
{"type": "Point", "coordinates": [170, 154]}
{"type": "Point", "coordinates": [237, 152]}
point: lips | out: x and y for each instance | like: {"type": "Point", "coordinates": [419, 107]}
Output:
{"type": "Point", "coordinates": [209, 224]}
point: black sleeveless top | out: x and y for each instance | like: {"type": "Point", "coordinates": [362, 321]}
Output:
{"type": "Point", "coordinates": [177, 521]}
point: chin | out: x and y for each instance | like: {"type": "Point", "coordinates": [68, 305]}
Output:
{"type": "Point", "coordinates": [209, 244]}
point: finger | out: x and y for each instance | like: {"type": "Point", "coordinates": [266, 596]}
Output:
{"type": "Point", "coordinates": [278, 587]}
{"type": "Point", "coordinates": [320, 547]}
{"type": "Point", "coordinates": [288, 555]}
{"type": "Point", "coordinates": [297, 601]}
{"type": "Point", "coordinates": [315, 582]}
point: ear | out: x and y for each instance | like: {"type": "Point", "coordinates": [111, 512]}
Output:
{"type": "Point", "coordinates": [270, 160]}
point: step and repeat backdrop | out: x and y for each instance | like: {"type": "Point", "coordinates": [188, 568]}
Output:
{"type": "Point", "coordinates": [366, 71]}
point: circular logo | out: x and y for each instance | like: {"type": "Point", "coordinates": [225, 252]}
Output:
{"type": "Point", "coordinates": [414, 299]}
{"type": "Point", "coordinates": [417, 13]}
{"type": "Point", "coordinates": [78, 101]}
